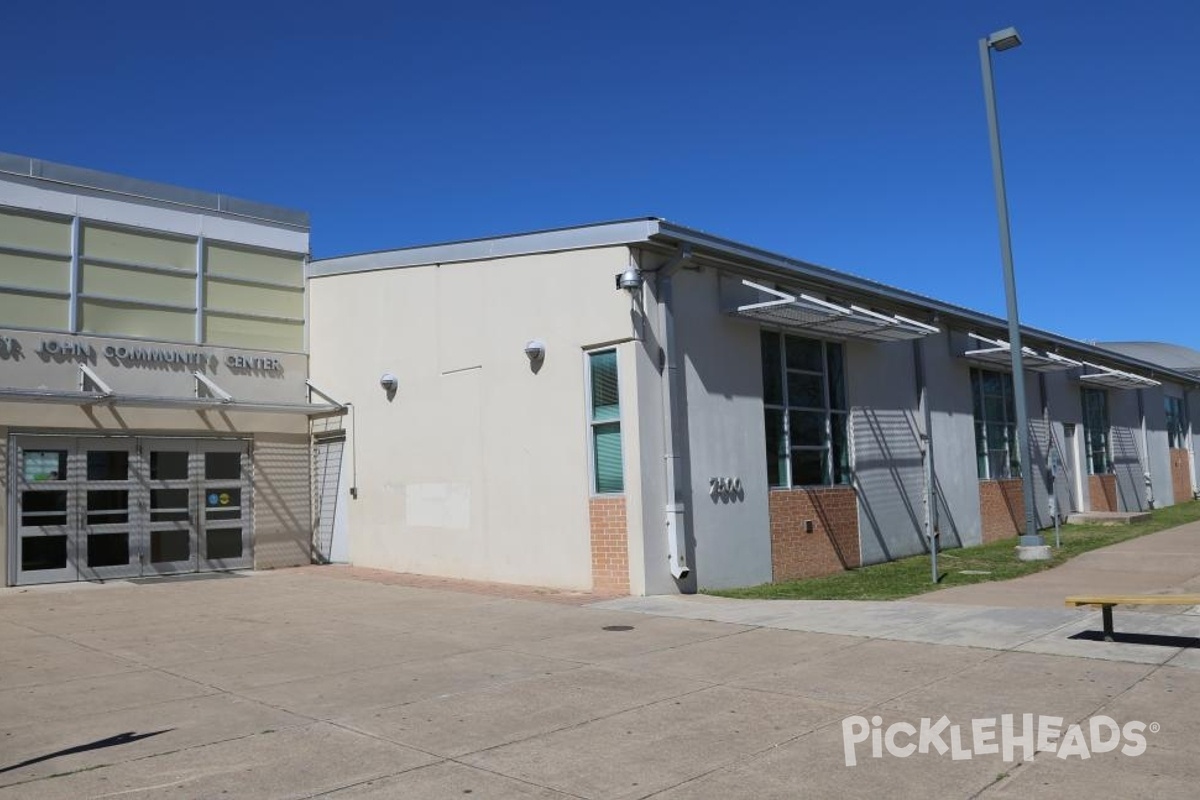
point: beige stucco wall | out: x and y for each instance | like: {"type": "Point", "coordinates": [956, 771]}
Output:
{"type": "Point", "coordinates": [478, 467]}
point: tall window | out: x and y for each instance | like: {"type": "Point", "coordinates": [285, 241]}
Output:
{"type": "Point", "coordinates": [804, 399]}
{"type": "Point", "coordinates": [996, 451]}
{"type": "Point", "coordinates": [1095, 431]}
{"type": "Point", "coordinates": [604, 406]}
{"type": "Point", "coordinates": [1176, 422]}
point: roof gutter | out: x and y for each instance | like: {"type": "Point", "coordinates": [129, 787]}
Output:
{"type": "Point", "coordinates": [743, 257]}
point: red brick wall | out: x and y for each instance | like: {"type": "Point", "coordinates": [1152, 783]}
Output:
{"type": "Point", "coordinates": [1103, 489]}
{"type": "Point", "coordinates": [1181, 476]}
{"type": "Point", "coordinates": [1001, 508]}
{"type": "Point", "coordinates": [610, 545]}
{"type": "Point", "coordinates": [833, 544]}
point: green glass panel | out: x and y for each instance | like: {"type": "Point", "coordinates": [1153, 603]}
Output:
{"type": "Point", "coordinates": [808, 467]}
{"type": "Point", "coordinates": [807, 428]}
{"type": "Point", "coordinates": [772, 369]}
{"type": "Point", "coordinates": [841, 450]}
{"type": "Point", "coordinates": [606, 446]}
{"type": "Point", "coordinates": [606, 403]}
{"type": "Point", "coordinates": [803, 354]}
{"type": "Point", "coordinates": [776, 447]}
{"type": "Point", "coordinates": [806, 390]}
{"type": "Point", "coordinates": [837, 376]}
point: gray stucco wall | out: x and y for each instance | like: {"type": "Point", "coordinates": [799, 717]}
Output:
{"type": "Point", "coordinates": [888, 466]}
{"type": "Point", "coordinates": [721, 360]}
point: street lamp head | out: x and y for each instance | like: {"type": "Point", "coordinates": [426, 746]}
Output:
{"type": "Point", "coordinates": [1006, 39]}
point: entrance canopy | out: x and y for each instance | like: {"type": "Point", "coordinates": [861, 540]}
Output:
{"type": "Point", "coordinates": [998, 352]}
{"type": "Point", "coordinates": [804, 313]}
{"type": "Point", "coordinates": [93, 390]}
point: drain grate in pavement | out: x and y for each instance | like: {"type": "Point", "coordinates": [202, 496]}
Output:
{"type": "Point", "coordinates": [617, 628]}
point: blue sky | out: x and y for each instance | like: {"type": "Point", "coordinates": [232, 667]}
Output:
{"type": "Point", "coordinates": [849, 134]}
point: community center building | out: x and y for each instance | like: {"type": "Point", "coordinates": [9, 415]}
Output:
{"type": "Point", "coordinates": [154, 406]}
{"type": "Point", "coordinates": [632, 406]}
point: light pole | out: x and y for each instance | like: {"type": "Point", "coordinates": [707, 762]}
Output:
{"type": "Point", "coordinates": [1031, 546]}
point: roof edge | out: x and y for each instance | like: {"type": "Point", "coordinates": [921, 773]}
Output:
{"type": "Point", "coordinates": [37, 170]}
{"type": "Point", "coordinates": [602, 234]}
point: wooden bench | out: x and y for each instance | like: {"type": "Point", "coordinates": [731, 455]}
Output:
{"type": "Point", "coordinates": [1107, 601]}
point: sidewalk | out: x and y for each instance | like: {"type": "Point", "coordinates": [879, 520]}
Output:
{"type": "Point", "coordinates": [1167, 562]}
{"type": "Point", "coordinates": [1025, 614]}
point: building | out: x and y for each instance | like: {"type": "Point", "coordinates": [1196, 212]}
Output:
{"type": "Point", "coordinates": [638, 406]}
{"type": "Point", "coordinates": [632, 406]}
{"type": "Point", "coordinates": [154, 404]}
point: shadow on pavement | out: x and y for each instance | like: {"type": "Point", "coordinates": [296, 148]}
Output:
{"type": "Point", "coordinates": [111, 741]}
{"type": "Point", "coordinates": [1160, 640]}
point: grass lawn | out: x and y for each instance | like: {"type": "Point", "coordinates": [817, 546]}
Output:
{"type": "Point", "coordinates": [909, 576]}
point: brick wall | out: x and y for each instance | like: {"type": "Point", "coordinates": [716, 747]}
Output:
{"type": "Point", "coordinates": [832, 546]}
{"type": "Point", "coordinates": [610, 545]}
{"type": "Point", "coordinates": [1181, 477]}
{"type": "Point", "coordinates": [1103, 490]}
{"type": "Point", "coordinates": [1001, 509]}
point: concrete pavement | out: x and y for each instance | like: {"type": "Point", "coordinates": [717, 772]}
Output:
{"type": "Point", "coordinates": [308, 683]}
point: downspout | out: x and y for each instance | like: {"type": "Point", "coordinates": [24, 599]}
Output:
{"type": "Point", "coordinates": [672, 391]}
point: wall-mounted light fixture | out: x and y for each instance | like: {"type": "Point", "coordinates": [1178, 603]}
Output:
{"type": "Point", "coordinates": [535, 350]}
{"type": "Point", "coordinates": [389, 382]}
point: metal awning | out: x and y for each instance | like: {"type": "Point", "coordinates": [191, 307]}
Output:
{"type": "Point", "coordinates": [999, 353]}
{"type": "Point", "coordinates": [812, 315]}
{"type": "Point", "coordinates": [1114, 378]}
{"type": "Point", "coordinates": [156, 401]}
{"type": "Point", "coordinates": [220, 399]}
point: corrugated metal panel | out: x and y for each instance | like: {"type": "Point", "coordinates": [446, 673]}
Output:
{"type": "Point", "coordinates": [282, 501]}
{"type": "Point", "coordinates": [890, 476]}
{"type": "Point", "coordinates": [3, 506]}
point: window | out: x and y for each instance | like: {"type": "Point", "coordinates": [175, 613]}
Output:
{"type": "Point", "coordinates": [1095, 431]}
{"type": "Point", "coordinates": [996, 452]}
{"type": "Point", "coordinates": [1176, 422]}
{"type": "Point", "coordinates": [604, 415]}
{"type": "Point", "coordinates": [805, 411]}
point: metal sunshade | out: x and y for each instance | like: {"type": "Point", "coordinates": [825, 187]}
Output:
{"type": "Point", "coordinates": [1115, 378]}
{"type": "Point", "coordinates": [999, 353]}
{"type": "Point", "coordinates": [810, 314]}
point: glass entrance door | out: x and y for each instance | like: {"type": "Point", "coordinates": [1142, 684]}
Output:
{"type": "Point", "coordinates": [96, 507]}
{"type": "Point", "coordinates": [224, 494]}
{"type": "Point", "coordinates": [45, 511]}
{"type": "Point", "coordinates": [172, 506]}
{"type": "Point", "coordinates": [109, 538]}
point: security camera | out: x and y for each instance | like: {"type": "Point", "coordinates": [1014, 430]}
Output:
{"type": "Point", "coordinates": [630, 280]}
{"type": "Point", "coordinates": [389, 382]}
